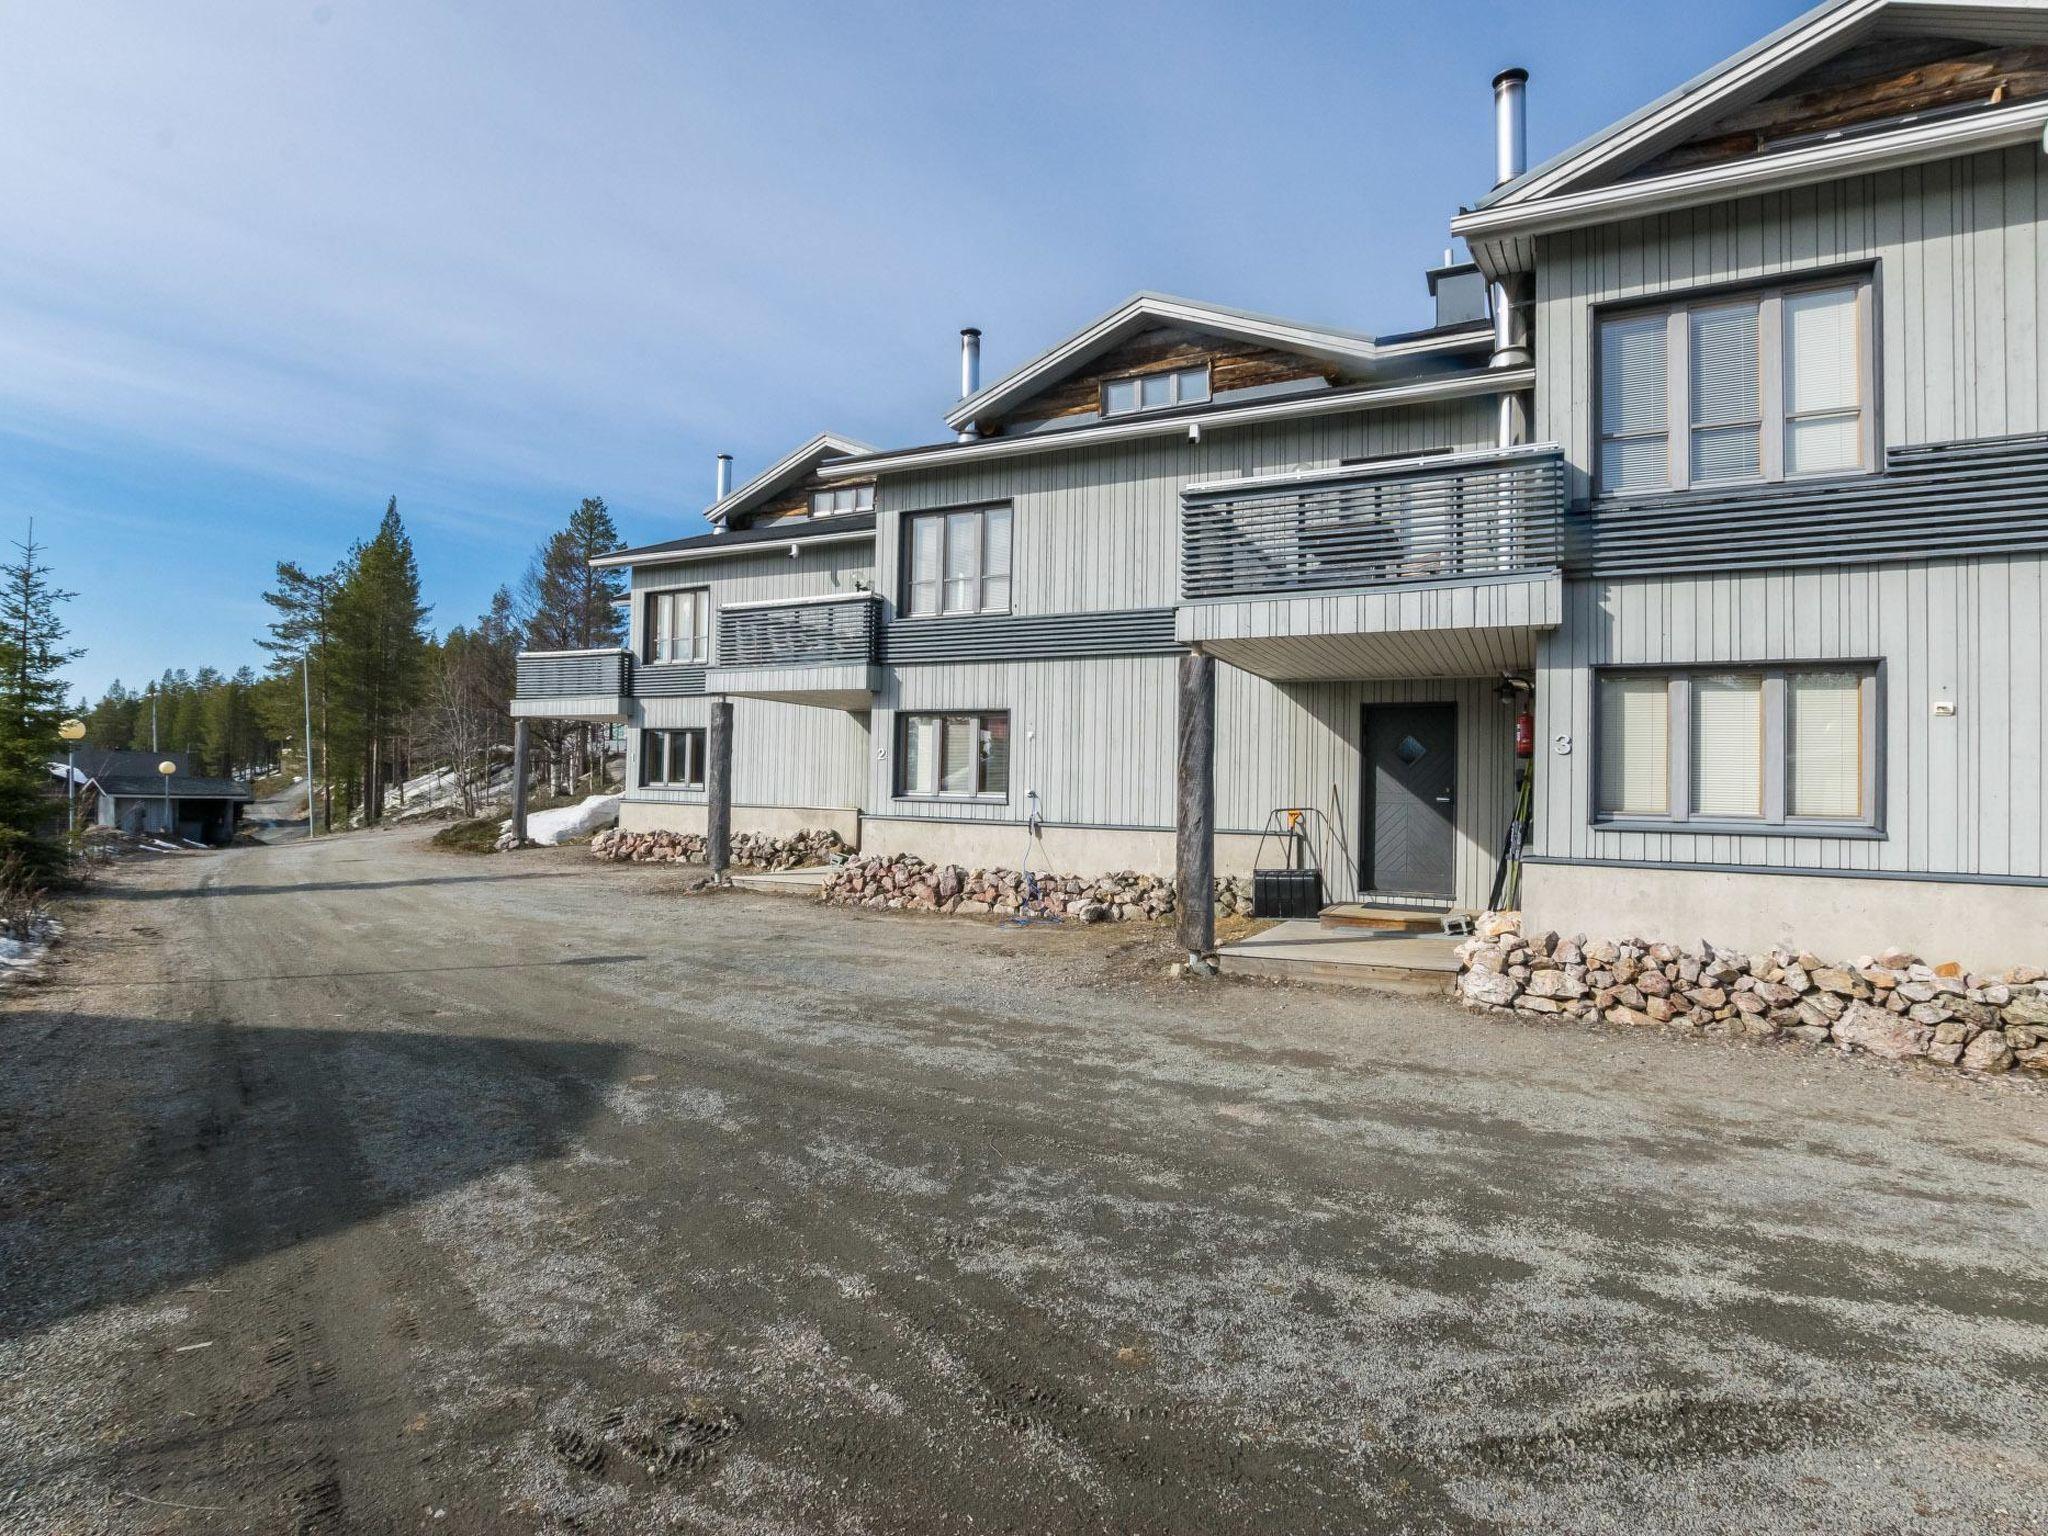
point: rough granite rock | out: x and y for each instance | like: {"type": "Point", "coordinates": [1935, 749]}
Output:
{"type": "Point", "coordinates": [1894, 1006]}
{"type": "Point", "coordinates": [1881, 1033]}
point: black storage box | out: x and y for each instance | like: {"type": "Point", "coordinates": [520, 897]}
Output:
{"type": "Point", "coordinates": [1287, 892]}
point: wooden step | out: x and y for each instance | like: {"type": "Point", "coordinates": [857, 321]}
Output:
{"type": "Point", "coordinates": [1351, 914]}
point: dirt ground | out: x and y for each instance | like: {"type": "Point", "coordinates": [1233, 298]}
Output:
{"type": "Point", "coordinates": [361, 1187]}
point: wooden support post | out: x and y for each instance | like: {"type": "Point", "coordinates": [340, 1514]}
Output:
{"type": "Point", "coordinates": [1194, 864]}
{"type": "Point", "coordinates": [518, 781]}
{"type": "Point", "coordinates": [718, 790]}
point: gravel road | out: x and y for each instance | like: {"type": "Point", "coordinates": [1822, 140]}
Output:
{"type": "Point", "coordinates": [362, 1187]}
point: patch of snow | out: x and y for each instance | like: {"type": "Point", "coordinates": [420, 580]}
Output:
{"type": "Point", "coordinates": [548, 828]}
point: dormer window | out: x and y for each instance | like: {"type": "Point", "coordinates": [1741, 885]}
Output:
{"type": "Point", "coordinates": [1155, 391]}
{"type": "Point", "coordinates": [843, 500]}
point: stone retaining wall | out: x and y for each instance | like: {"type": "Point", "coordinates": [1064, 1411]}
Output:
{"type": "Point", "coordinates": [904, 882]}
{"type": "Point", "coordinates": [1893, 1005]}
{"type": "Point", "coordinates": [750, 850]}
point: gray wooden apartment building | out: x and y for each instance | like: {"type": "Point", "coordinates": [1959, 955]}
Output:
{"type": "Point", "coordinates": [1726, 461]}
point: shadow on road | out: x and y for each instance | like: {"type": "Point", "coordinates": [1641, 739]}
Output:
{"type": "Point", "coordinates": [396, 970]}
{"type": "Point", "coordinates": [147, 1155]}
{"type": "Point", "coordinates": [187, 893]}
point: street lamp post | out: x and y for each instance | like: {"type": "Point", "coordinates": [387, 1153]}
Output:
{"type": "Point", "coordinates": [167, 768]}
{"type": "Point", "coordinates": [73, 732]}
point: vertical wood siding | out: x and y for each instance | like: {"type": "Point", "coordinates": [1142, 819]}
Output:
{"type": "Point", "coordinates": [1962, 275]}
{"type": "Point", "coordinates": [754, 578]}
{"type": "Point", "coordinates": [1096, 738]}
{"type": "Point", "coordinates": [1964, 794]}
{"type": "Point", "coordinates": [1099, 529]}
{"type": "Point", "coordinates": [782, 754]}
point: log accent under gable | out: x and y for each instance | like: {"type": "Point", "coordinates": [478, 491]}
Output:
{"type": "Point", "coordinates": [1232, 365]}
{"type": "Point", "coordinates": [796, 501]}
{"type": "Point", "coordinates": [1887, 78]}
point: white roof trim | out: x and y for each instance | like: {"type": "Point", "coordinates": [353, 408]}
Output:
{"type": "Point", "coordinates": [864, 596]}
{"type": "Point", "coordinates": [1763, 173]}
{"type": "Point", "coordinates": [601, 650]}
{"type": "Point", "coordinates": [1702, 95]}
{"type": "Point", "coordinates": [1457, 386]}
{"type": "Point", "coordinates": [784, 469]}
{"type": "Point", "coordinates": [1161, 309]}
{"type": "Point", "coordinates": [1374, 467]}
{"type": "Point", "coordinates": [733, 550]}
{"type": "Point", "coordinates": [1741, 78]}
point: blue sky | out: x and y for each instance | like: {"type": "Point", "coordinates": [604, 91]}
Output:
{"type": "Point", "coordinates": [265, 264]}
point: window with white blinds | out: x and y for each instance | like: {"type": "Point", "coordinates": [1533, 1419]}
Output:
{"type": "Point", "coordinates": [958, 562]}
{"type": "Point", "coordinates": [1789, 748]}
{"type": "Point", "coordinates": [1727, 747]}
{"type": "Point", "coordinates": [1770, 385]}
{"type": "Point", "coordinates": [1823, 395]}
{"type": "Point", "coordinates": [1634, 445]}
{"type": "Point", "coordinates": [1727, 396]}
{"type": "Point", "coordinates": [954, 755]}
{"type": "Point", "coordinates": [1635, 745]}
{"type": "Point", "coordinates": [1824, 744]}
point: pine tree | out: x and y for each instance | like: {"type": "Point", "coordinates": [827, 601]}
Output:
{"type": "Point", "coordinates": [301, 635]}
{"type": "Point", "coordinates": [380, 641]}
{"type": "Point", "coordinates": [569, 606]}
{"type": "Point", "coordinates": [32, 707]}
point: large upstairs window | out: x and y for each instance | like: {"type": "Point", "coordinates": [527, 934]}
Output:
{"type": "Point", "coordinates": [1768, 385]}
{"type": "Point", "coordinates": [679, 626]}
{"type": "Point", "coordinates": [958, 562]}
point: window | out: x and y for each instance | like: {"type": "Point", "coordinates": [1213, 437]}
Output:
{"type": "Point", "coordinates": [679, 626]}
{"type": "Point", "coordinates": [1155, 391]}
{"type": "Point", "coordinates": [1635, 745]}
{"type": "Point", "coordinates": [959, 562]}
{"type": "Point", "coordinates": [1766, 386]}
{"type": "Point", "coordinates": [842, 500]}
{"type": "Point", "coordinates": [672, 759]}
{"type": "Point", "coordinates": [1791, 747]}
{"type": "Point", "coordinates": [953, 755]}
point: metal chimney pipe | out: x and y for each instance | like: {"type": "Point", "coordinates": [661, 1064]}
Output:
{"type": "Point", "coordinates": [1510, 124]}
{"type": "Point", "coordinates": [722, 486]}
{"type": "Point", "coordinates": [1509, 296]}
{"type": "Point", "coordinates": [970, 374]}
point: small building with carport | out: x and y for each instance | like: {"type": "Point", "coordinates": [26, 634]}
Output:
{"type": "Point", "coordinates": [125, 791]}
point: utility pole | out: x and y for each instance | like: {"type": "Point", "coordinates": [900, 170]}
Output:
{"type": "Point", "coordinates": [306, 685]}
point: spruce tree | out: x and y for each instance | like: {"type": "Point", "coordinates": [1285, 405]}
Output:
{"type": "Point", "coordinates": [32, 707]}
{"type": "Point", "coordinates": [569, 606]}
{"type": "Point", "coordinates": [380, 644]}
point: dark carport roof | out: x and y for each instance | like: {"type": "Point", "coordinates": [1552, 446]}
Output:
{"type": "Point", "coordinates": [183, 786]}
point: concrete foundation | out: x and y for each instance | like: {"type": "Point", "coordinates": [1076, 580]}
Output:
{"type": "Point", "coordinates": [1986, 927]}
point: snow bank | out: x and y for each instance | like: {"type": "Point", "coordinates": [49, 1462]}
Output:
{"type": "Point", "coordinates": [569, 821]}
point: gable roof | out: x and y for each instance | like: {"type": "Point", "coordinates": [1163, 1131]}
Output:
{"type": "Point", "coordinates": [1584, 183]}
{"type": "Point", "coordinates": [125, 773]}
{"type": "Point", "coordinates": [1353, 351]}
{"type": "Point", "coordinates": [782, 474]}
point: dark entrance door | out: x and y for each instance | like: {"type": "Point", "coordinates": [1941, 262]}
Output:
{"type": "Point", "coordinates": [1411, 784]}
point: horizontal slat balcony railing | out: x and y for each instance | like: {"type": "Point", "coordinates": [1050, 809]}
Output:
{"type": "Point", "coordinates": [838, 631]}
{"type": "Point", "coordinates": [1984, 496]}
{"type": "Point", "coordinates": [571, 674]}
{"type": "Point", "coordinates": [1457, 517]}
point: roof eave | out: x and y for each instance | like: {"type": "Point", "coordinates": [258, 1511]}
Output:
{"type": "Point", "coordinates": [1705, 92]}
{"type": "Point", "coordinates": [1076, 350]}
{"type": "Point", "coordinates": [776, 475]}
{"type": "Point", "coordinates": [1488, 233]}
{"type": "Point", "coordinates": [1477, 381]}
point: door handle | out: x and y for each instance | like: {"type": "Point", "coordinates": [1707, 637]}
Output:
{"type": "Point", "coordinates": [1443, 799]}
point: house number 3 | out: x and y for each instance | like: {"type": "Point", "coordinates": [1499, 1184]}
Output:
{"type": "Point", "coordinates": [1561, 745]}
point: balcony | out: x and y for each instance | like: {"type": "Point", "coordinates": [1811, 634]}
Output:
{"type": "Point", "coordinates": [1440, 566]}
{"type": "Point", "coordinates": [572, 685]}
{"type": "Point", "coordinates": [811, 650]}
